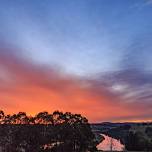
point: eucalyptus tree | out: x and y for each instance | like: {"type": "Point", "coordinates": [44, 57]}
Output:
{"type": "Point", "coordinates": [46, 132]}
{"type": "Point", "coordinates": [2, 116]}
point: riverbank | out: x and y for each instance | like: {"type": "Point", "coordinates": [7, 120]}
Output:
{"type": "Point", "coordinates": [110, 143]}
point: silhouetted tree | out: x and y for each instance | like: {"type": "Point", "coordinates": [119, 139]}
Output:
{"type": "Point", "coordinates": [45, 132]}
{"type": "Point", "coordinates": [136, 141]}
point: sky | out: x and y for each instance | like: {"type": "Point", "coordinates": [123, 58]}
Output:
{"type": "Point", "coordinates": [91, 57]}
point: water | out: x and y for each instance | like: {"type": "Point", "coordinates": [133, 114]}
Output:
{"type": "Point", "coordinates": [110, 144]}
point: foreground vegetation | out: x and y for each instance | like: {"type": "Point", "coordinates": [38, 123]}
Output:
{"type": "Point", "coordinates": [135, 136]}
{"type": "Point", "coordinates": [45, 132]}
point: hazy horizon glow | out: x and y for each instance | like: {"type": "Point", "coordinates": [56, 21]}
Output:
{"type": "Point", "coordinates": [91, 57]}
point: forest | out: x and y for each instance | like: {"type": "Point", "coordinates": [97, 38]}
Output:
{"type": "Point", "coordinates": [45, 132]}
{"type": "Point", "coordinates": [135, 136]}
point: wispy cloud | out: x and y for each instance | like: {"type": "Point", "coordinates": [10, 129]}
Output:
{"type": "Point", "coordinates": [148, 2]}
{"type": "Point", "coordinates": [139, 5]}
{"type": "Point", "coordinates": [29, 87]}
{"type": "Point", "coordinates": [58, 54]}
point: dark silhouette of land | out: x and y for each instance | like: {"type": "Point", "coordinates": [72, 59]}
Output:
{"type": "Point", "coordinates": [56, 132]}
{"type": "Point", "coordinates": [67, 132]}
{"type": "Point", "coordinates": [135, 136]}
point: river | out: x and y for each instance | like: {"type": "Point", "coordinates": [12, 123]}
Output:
{"type": "Point", "coordinates": [110, 143]}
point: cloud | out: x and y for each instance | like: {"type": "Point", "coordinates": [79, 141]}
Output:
{"type": "Point", "coordinates": [131, 85]}
{"type": "Point", "coordinates": [148, 2]}
{"type": "Point", "coordinates": [139, 5]}
{"type": "Point", "coordinates": [26, 86]}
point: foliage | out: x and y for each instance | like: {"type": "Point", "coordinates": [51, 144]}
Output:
{"type": "Point", "coordinates": [45, 132]}
{"type": "Point", "coordinates": [135, 136]}
{"type": "Point", "coordinates": [137, 141]}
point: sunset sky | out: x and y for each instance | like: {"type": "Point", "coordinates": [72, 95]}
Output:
{"type": "Point", "coordinates": [92, 57]}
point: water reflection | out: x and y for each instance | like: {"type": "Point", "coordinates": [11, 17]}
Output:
{"type": "Point", "coordinates": [110, 144]}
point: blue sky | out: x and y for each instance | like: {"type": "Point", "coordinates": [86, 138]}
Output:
{"type": "Point", "coordinates": [82, 37]}
{"type": "Point", "coordinates": [77, 55]}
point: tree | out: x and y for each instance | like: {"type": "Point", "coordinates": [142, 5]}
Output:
{"type": "Point", "coordinates": [22, 118]}
{"type": "Point", "coordinates": [46, 132]}
{"type": "Point", "coordinates": [2, 116]}
{"type": "Point", "coordinates": [137, 141]}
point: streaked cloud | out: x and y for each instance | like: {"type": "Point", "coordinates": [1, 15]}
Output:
{"type": "Point", "coordinates": [148, 2]}
{"type": "Point", "coordinates": [91, 57]}
{"type": "Point", "coordinates": [31, 87]}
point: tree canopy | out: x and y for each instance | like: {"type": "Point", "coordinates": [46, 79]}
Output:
{"type": "Point", "coordinates": [45, 132]}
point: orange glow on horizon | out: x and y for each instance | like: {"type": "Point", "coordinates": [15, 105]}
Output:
{"type": "Point", "coordinates": [32, 88]}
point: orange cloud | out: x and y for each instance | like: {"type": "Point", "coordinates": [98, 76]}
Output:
{"type": "Point", "coordinates": [29, 87]}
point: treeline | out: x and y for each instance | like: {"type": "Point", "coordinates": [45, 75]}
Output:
{"type": "Point", "coordinates": [45, 132]}
{"type": "Point", "coordinates": [139, 140]}
{"type": "Point", "coordinates": [135, 137]}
